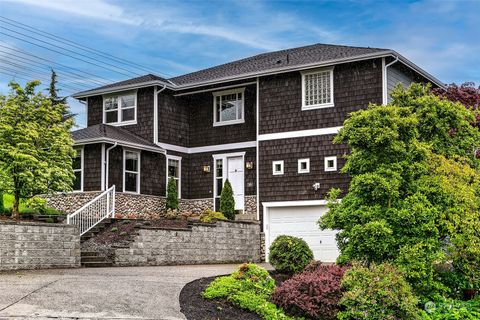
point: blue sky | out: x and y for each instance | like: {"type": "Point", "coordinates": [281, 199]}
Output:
{"type": "Point", "coordinates": [175, 37]}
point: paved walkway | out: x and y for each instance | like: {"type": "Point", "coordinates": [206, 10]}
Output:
{"type": "Point", "coordinates": [101, 293]}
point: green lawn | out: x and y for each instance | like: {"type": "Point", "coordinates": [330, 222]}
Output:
{"type": "Point", "coordinates": [8, 204]}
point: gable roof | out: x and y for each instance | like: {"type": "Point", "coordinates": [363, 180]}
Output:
{"type": "Point", "coordinates": [103, 133]}
{"type": "Point", "coordinates": [316, 53]}
{"type": "Point", "coordinates": [311, 56]}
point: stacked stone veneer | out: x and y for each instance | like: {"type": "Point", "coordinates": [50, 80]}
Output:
{"type": "Point", "coordinates": [38, 246]}
{"type": "Point", "coordinates": [139, 205]}
{"type": "Point", "coordinates": [222, 242]}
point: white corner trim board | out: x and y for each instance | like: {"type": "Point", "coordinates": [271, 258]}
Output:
{"type": "Point", "coordinates": [218, 147]}
{"type": "Point", "coordinates": [298, 134]}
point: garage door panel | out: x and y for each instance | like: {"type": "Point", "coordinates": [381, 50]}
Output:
{"type": "Point", "coordinates": [301, 221]}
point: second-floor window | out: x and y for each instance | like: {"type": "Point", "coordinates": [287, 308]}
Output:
{"type": "Point", "coordinates": [317, 89]}
{"type": "Point", "coordinates": [228, 107]}
{"type": "Point", "coordinates": [120, 109]}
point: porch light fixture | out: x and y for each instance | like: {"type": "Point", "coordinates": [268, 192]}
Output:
{"type": "Point", "coordinates": [249, 165]}
{"type": "Point", "coordinates": [206, 169]}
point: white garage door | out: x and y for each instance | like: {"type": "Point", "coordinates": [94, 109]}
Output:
{"type": "Point", "coordinates": [301, 221]}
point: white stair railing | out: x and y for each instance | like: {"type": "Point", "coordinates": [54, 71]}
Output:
{"type": "Point", "coordinates": [93, 212]}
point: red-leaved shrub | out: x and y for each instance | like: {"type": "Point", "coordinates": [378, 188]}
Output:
{"type": "Point", "coordinates": [314, 294]}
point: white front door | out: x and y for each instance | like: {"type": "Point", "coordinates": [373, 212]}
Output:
{"type": "Point", "coordinates": [235, 175]}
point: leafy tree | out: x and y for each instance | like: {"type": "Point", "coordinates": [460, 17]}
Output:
{"type": "Point", "coordinates": [172, 194]}
{"type": "Point", "coordinates": [227, 202]}
{"type": "Point", "coordinates": [2, 207]}
{"type": "Point", "coordinates": [59, 101]}
{"type": "Point", "coordinates": [467, 94]}
{"type": "Point", "coordinates": [35, 144]}
{"type": "Point", "coordinates": [414, 184]}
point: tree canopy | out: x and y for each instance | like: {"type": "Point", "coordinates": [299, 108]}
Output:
{"type": "Point", "coordinates": [413, 199]}
{"type": "Point", "coordinates": [35, 144]}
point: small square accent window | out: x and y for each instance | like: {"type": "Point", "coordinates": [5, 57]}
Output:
{"type": "Point", "coordinates": [330, 163]}
{"type": "Point", "coordinates": [303, 165]}
{"type": "Point", "coordinates": [317, 89]}
{"type": "Point", "coordinates": [277, 167]}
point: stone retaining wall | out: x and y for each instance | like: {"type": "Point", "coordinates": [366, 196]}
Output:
{"type": "Point", "coordinates": [38, 246]}
{"type": "Point", "coordinates": [223, 242]}
{"type": "Point", "coordinates": [138, 205]}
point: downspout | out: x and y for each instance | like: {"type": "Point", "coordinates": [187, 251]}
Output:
{"type": "Point", "coordinates": [385, 81]}
{"type": "Point", "coordinates": [106, 164]}
{"type": "Point", "coordinates": [155, 112]}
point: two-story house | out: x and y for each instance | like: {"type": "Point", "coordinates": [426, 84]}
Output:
{"type": "Point", "coordinates": [266, 123]}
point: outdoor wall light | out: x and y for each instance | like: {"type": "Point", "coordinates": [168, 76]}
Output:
{"type": "Point", "coordinates": [206, 169]}
{"type": "Point", "coordinates": [249, 165]}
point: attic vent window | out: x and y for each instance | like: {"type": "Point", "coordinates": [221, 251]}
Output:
{"type": "Point", "coordinates": [317, 89]}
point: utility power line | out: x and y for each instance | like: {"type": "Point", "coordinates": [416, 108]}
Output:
{"type": "Point", "coordinates": [68, 42]}
{"type": "Point", "coordinates": [103, 80]}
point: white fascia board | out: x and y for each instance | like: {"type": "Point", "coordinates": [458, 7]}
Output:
{"type": "Point", "coordinates": [213, 148]}
{"type": "Point", "coordinates": [120, 143]}
{"type": "Point", "coordinates": [300, 203]}
{"type": "Point", "coordinates": [298, 134]}
{"type": "Point", "coordinates": [413, 66]}
{"type": "Point", "coordinates": [94, 92]}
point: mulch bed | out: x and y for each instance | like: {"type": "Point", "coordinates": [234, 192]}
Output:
{"type": "Point", "coordinates": [195, 307]}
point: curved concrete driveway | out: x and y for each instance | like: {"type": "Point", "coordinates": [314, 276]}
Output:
{"type": "Point", "coordinates": [102, 293]}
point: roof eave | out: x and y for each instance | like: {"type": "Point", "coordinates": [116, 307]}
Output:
{"type": "Point", "coordinates": [419, 70]}
{"type": "Point", "coordinates": [120, 143]}
{"type": "Point", "coordinates": [94, 92]}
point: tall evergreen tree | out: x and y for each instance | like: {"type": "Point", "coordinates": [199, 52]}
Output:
{"type": "Point", "coordinates": [57, 100]}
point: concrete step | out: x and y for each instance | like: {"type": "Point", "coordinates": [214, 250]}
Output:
{"type": "Point", "coordinates": [88, 254]}
{"type": "Point", "coordinates": [97, 264]}
{"type": "Point", "coordinates": [86, 259]}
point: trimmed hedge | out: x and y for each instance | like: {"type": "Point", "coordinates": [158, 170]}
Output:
{"type": "Point", "coordinates": [289, 254]}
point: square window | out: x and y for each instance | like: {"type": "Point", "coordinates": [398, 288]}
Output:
{"type": "Point", "coordinates": [278, 167]}
{"type": "Point", "coordinates": [330, 163]}
{"type": "Point", "coordinates": [303, 165]}
{"type": "Point", "coordinates": [120, 108]}
{"type": "Point", "coordinates": [228, 107]}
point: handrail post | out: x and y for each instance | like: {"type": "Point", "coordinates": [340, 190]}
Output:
{"type": "Point", "coordinates": [113, 202]}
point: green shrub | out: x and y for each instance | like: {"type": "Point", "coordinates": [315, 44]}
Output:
{"type": "Point", "coordinates": [172, 194]}
{"type": "Point", "coordinates": [377, 293]}
{"type": "Point", "coordinates": [250, 288]}
{"type": "Point", "coordinates": [289, 254]}
{"type": "Point", "coordinates": [37, 204]}
{"type": "Point", "coordinates": [227, 202]}
{"type": "Point", "coordinates": [209, 215]}
{"type": "Point", "coordinates": [453, 310]}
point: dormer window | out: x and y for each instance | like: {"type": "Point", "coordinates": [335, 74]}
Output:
{"type": "Point", "coordinates": [120, 109]}
{"type": "Point", "coordinates": [228, 107]}
{"type": "Point", "coordinates": [317, 89]}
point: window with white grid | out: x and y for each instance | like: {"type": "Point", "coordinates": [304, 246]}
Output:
{"type": "Point", "coordinates": [317, 89]}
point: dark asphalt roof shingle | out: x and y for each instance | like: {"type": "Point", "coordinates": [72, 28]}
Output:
{"type": "Point", "coordinates": [316, 53]}
{"type": "Point", "coordinates": [105, 131]}
{"type": "Point", "coordinates": [269, 61]}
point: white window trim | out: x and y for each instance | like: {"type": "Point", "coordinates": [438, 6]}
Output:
{"type": "Point", "coordinates": [119, 109]}
{"type": "Point", "coordinates": [282, 170]}
{"type": "Point", "coordinates": [125, 171]}
{"type": "Point", "coordinates": [334, 168]}
{"type": "Point", "coordinates": [225, 92]}
{"type": "Point", "coordinates": [179, 180]}
{"type": "Point", "coordinates": [307, 161]}
{"type": "Point", "coordinates": [82, 168]}
{"type": "Point", "coordinates": [322, 105]}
